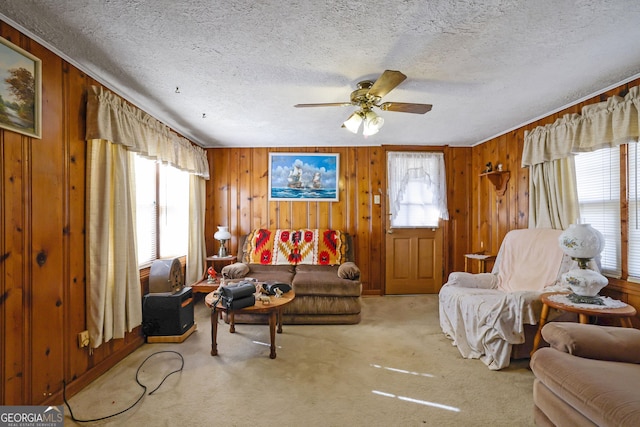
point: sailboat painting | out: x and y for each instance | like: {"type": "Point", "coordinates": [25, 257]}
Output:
{"type": "Point", "coordinates": [305, 177]}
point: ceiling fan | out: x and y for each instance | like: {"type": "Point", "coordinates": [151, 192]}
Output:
{"type": "Point", "coordinates": [368, 95]}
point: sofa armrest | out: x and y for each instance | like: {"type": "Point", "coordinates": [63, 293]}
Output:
{"type": "Point", "coordinates": [471, 280]}
{"type": "Point", "coordinates": [594, 341]}
{"type": "Point", "coordinates": [349, 270]}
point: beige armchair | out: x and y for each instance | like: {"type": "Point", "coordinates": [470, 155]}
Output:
{"type": "Point", "coordinates": [485, 314]}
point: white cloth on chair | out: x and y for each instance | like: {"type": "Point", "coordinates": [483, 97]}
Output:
{"type": "Point", "coordinates": [484, 314]}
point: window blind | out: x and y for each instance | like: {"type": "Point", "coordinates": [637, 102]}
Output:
{"type": "Point", "coordinates": [146, 216]}
{"type": "Point", "coordinates": [633, 184]}
{"type": "Point", "coordinates": [598, 179]}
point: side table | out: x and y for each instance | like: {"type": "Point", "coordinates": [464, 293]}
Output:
{"type": "Point", "coordinates": [219, 262]}
{"type": "Point", "coordinates": [203, 285]}
{"type": "Point", "coordinates": [623, 313]}
{"type": "Point", "coordinates": [482, 261]}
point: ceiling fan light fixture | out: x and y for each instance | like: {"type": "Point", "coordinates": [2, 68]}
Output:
{"type": "Point", "coordinates": [353, 122]}
{"type": "Point", "coordinates": [372, 123]}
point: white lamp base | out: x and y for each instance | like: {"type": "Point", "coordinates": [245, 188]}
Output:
{"type": "Point", "coordinates": [584, 282]}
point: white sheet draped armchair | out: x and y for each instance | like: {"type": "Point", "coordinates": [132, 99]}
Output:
{"type": "Point", "coordinates": [484, 314]}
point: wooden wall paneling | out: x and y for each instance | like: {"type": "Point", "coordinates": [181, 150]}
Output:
{"type": "Point", "coordinates": [358, 185]}
{"type": "Point", "coordinates": [47, 196]}
{"type": "Point", "coordinates": [521, 183]}
{"type": "Point", "coordinates": [222, 179]}
{"type": "Point", "coordinates": [375, 271]}
{"type": "Point", "coordinates": [15, 237]}
{"type": "Point", "coordinates": [260, 185]}
{"type": "Point", "coordinates": [233, 215]}
{"type": "Point", "coordinates": [210, 195]}
{"type": "Point", "coordinates": [459, 177]}
{"type": "Point", "coordinates": [485, 200]}
{"type": "Point", "coordinates": [346, 197]}
{"type": "Point", "coordinates": [503, 202]}
{"type": "Point", "coordinates": [75, 149]}
{"type": "Point", "coordinates": [245, 194]}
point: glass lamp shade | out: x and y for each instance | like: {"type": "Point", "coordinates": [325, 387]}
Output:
{"type": "Point", "coordinates": [353, 122]}
{"type": "Point", "coordinates": [581, 242]}
{"type": "Point", "coordinates": [222, 235]}
{"type": "Point", "coordinates": [372, 123]}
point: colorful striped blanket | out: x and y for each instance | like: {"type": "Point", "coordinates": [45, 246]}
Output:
{"type": "Point", "coordinates": [281, 246]}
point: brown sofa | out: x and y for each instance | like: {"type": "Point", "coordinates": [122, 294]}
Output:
{"type": "Point", "coordinates": [325, 294]}
{"type": "Point", "coordinates": [590, 376]}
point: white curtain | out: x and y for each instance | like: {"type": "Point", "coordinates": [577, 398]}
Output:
{"type": "Point", "coordinates": [113, 278]}
{"type": "Point", "coordinates": [197, 251]}
{"type": "Point", "coordinates": [115, 130]}
{"type": "Point", "coordinates": [401, 164]}
{"type": "Point", "coordinates": [553, 194]}
{"type": "Point", "coordinates": [548, 151]}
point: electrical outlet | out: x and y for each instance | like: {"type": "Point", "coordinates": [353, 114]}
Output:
{"type": "Point", "coordinates": [83, 339]}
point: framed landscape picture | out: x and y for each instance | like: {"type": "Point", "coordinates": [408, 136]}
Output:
{"type": "Point", "coordinates": [303, 177]}
{"type": "Point", "coordinates": [20, 90]}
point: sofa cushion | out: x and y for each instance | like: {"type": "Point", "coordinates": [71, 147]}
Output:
{"type": "Point", "coordinates": [317, 305]}
{"type": "Point", "coordinates": [235, 271]}
{"type": "Point", "coordinates": [604, 392]}
{"type": "Point", "coordinates": [323, 280]}
{"type": "Point", "coordinates": [259, 269]}
{"type": "Point", "coordinates": [594, 342]}
{"type": "Point", "coordinates": [267, 275]}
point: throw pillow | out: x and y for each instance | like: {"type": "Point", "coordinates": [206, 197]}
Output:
{"type": "Point", "coordinates": [349, 270]}
{"type": "Point", "coordinates": [235, 271]}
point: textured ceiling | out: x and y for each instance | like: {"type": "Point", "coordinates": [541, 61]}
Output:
{"type": "Point", "coordinates": [487, 66]}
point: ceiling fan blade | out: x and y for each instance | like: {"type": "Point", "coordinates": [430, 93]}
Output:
{"type": "Point", "coordinates": [330, 104]}
{"type": "Point", "coordinates": [386, 83]}
{"type": "Point", "coordinates": [405, 107]}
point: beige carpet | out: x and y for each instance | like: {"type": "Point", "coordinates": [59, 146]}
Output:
{"type": "Point", "coordinates": [393, 369]}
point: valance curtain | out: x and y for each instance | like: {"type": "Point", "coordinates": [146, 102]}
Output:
{"type": "Point", "coordinates": [548, 152]}
{"type": "Point", "coordinates": [431, 166]}
{"type": "Point", "coordinates": [110, 118]}
{"type": "Point", "coordinates": [115, 131]}
{"type": "Point", "coordinates": [605, 124]}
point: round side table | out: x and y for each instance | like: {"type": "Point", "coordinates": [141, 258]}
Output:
{"type": "Point", "coordinates": [623, 313]}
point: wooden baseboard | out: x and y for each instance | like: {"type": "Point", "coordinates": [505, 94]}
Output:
{"type": "Point", "coordinates": [92, 374]}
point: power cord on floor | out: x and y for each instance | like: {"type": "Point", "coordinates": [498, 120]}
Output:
{"type": "Point", "coordinates": [144, 391]}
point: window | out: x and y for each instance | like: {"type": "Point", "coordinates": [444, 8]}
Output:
{"type": "Point", "coordinates": [633, 186]}
{"type": "Point", "coordinates": [607, 207]}
{"type": "Point", "coordinates": [598, 178]}
{"type": "Point", "coordinates": [417, 190]}
{"type": "Point", "coordinates": [162, 210]}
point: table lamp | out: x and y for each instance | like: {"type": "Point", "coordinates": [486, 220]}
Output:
{"type": "Point", "coordinates": [582, 243]}
{"type": "Point", "coordinates": [222, 235]}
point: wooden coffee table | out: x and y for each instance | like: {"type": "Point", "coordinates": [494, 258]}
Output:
{"type": "Point", "coordinates": [273, 309]}
{"type": "Point", "coordinates": [624, 314]}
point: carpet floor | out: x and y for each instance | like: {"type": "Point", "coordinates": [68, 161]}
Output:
{"type": "Point", "coordinates": [395, 368]}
